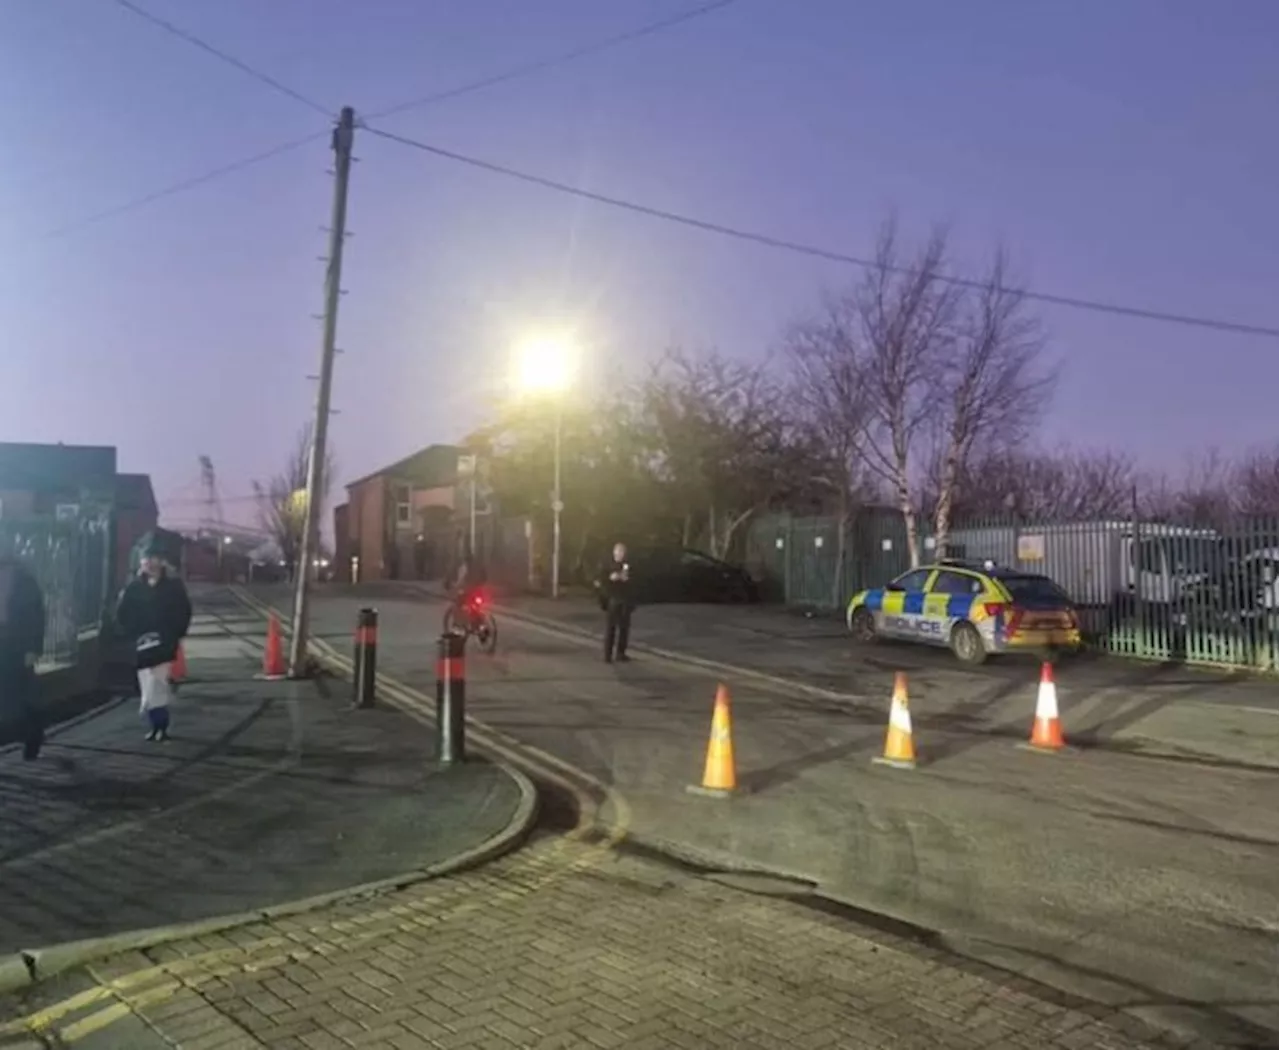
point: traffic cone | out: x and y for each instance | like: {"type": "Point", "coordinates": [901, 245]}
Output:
{"type": "Point", "coordinates": [273, 667]}
{"type": "Point", "coordinates": [899, 748]}
{"type": "Point", "coordinates": [178, 672]}
{"type": "Point", "coordinates": [719, 778]}
{"type": "Point", "coordinates": [1046, 733]}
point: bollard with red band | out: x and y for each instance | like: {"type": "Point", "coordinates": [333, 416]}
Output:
{"type": "Point", "coordinates": [364, 675]}
{"type": "Point", "coordinates": [451, 699]}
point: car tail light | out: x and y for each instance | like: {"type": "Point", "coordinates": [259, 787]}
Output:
{"type": "Point", "coordinates": [993, 609]}
{"type": "Point", "coordinates": [1015, 620]}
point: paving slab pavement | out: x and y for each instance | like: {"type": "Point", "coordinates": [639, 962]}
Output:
{"type": "Point", "coordinates": [266, 793]}
{"type": "Point", "coordinates": [569, 948]}
{"type": "Point", "coordinates": [1091, 870]}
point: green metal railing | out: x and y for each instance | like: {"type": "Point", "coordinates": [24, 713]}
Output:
{"type": "Point", "coordinates": [1155, 590]}
{"type": "Point", "coordinates": [71, 562]}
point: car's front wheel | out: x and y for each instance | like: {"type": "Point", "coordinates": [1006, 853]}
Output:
{"type": "Point", "coordinates": [862, 625]}
{"type": "Point", "coordinates": [966, 643]}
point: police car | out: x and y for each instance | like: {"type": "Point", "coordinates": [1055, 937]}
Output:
{"type": "Point", "coordinates": [974, 608]}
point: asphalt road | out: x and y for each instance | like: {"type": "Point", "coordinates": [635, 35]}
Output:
{"type": "Point", "coordinates": [1107, 702]}
{"type": "Point", "coordinates": [1133, 870]}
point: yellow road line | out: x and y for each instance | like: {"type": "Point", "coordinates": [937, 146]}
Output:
{"type": "Point", "coordinates": [95, 1022]}
{"type": "Point", "coordinates": [193, 971]}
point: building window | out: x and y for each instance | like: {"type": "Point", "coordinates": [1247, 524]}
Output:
{"type": "Point", "coordinates": [400, 495]}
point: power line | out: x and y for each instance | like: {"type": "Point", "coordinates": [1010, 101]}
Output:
{"type": "Point", "coordinates": [223, 56]}
{"type": "Point", "coordinates": [768, 241]}
{"type": "Point", "coordinates": [185, 184]}
{"type": "Point", "coordinates": [286, 147]}
{"type": "Point", "coordinates": [538, 65]}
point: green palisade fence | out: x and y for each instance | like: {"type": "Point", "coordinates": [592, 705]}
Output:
{"type": "Point", "coordinates": [1155, 590]}
{"type": "Point", "coordinates": [70, 559]}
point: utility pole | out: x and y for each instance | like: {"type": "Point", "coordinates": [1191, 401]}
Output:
{"type": "Point", "coordinates": [343, 139]}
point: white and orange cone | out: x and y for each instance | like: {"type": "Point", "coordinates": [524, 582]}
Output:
{"type": "Point", "coordinates": [1046, 733]}
{"type": "Point", "coordinates": [899, 747]}
{"type": "Point", "coordinates": [720, 775]}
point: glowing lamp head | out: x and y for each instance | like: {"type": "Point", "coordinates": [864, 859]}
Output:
{"type": "Point", "coordinates": [544, 365]}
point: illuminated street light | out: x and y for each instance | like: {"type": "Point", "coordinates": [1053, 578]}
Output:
{"type": "Point", "coordinates": [545, 366]}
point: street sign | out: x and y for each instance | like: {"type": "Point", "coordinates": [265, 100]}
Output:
{"type": "Point", "coordinates": [67, 511]}
{"type": "Point", "coordinates": [558, 506]}
{"type": "Point", "coordinates": [466, 466]}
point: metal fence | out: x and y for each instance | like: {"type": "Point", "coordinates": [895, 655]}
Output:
{"type": "Point", "coordinates": [806, 561]}
{"type": "Point", "coordinates": [71, 562]}
{"type": "Point", "coordinates": [1155, 590]}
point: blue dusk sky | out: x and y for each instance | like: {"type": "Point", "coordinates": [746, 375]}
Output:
{"type": "Point", "coordinates": [1124, 151]}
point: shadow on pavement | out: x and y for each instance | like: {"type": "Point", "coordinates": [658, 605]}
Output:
{"type": "Point", "coordinates": [266, 793]}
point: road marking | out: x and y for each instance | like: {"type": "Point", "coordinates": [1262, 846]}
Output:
{"type": "Point", "coordinates": [193, 971]}
{"type": "Point", "coordinates": [513, 750]}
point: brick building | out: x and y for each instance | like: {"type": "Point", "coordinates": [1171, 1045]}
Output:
{"type": "Point", "coordinates": [398, 522]}
{"type": "Point", "coordinates": [136, 514]}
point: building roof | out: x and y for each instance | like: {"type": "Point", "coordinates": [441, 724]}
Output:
{"type": "Point", "coordinates": [134, 492]}
{"type": "Point", "coordinates": [39, 468]}
{"type": "Point", "coordinates": [434, 467]}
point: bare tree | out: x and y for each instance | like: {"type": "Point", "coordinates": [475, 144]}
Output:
{"type": "Point", "coordinates": [1043, 487]}
{"type": "Point", "coordinates": [1203, 493]}
{"type": "Point", "coordinates": [906, 315]}
{"type": "Point", "coordinates": [718, 441]}
{"type": "Point", "coordinates": [1256, 483]}
{"type": "Point", "coordinates": [827, 398]}
{"type": "Point", "coordinates": [991, 387]}
{"type": "Point", "coordinates": [282, 501]}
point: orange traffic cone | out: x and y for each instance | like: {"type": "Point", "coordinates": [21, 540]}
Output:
{"type": "Point", "coordinates": [273, 656]}
{"type": "Point", "coordinates": [719, 778]}
{"type": "Point", "coordinates": [1046, 733]}
{"type": "Point", "coordinates": [899, 748]}
{"type": "Point", "coordinates": [178, 672]}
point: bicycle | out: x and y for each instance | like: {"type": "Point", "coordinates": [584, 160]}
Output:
{"type": "Point", "coordinates": [470, 616]}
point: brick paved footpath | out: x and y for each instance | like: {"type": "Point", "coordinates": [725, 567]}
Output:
{"type": "Point", "coordinates": [566, 946]}
{"type": "Point", "coordinates": [267, 792]}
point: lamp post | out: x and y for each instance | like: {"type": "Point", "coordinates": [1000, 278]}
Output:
{"type": "Point", "coordinates": [544, 367]}
{"type": "Point", "coordinates": [557, 504]}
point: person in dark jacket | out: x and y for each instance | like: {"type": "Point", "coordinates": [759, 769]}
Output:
{"type": "Point", "coordinates": [155, 612]}
{"type": "Point", "coordinates": [613, 586]}
{"type": "Point", "coordinates": [21, 643]}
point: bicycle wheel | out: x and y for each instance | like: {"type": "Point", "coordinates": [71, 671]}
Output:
{"type": "Point", "coordinates": [487, 633]}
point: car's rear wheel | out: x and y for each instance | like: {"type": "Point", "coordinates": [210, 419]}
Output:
{"type": "Point", "coordinates": [862, 625]}
{"type": "Point", "coordinates": [966, 643]}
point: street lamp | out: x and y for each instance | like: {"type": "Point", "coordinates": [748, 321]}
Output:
{"type": "Point", "coordinates": [544, 367]}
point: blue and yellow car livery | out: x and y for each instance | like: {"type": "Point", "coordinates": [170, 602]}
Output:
{"type": "Point", "coordinates": [975, 610]}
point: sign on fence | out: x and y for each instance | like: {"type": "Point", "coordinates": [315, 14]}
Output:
{"type": "Point", "coordinates": [1031, 547]}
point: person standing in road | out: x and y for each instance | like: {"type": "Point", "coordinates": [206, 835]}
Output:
{"type": "Point", "coordinates": [614, 588]}
{"type": "Point", "coordinates": [21, 643]}
{"type": "Point", "coordinates": [155, 611]}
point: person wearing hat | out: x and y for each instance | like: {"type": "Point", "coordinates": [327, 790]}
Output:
{"type": "Point", "coordinates": [21, 643]}
{"type": "Point", "coordinates": [155, 612]}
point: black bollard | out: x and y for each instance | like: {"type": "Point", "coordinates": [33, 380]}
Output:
{"type": "Point", "coordinates": [364, 668]}
{"type": "Point", "coordinates": [451, 699]}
